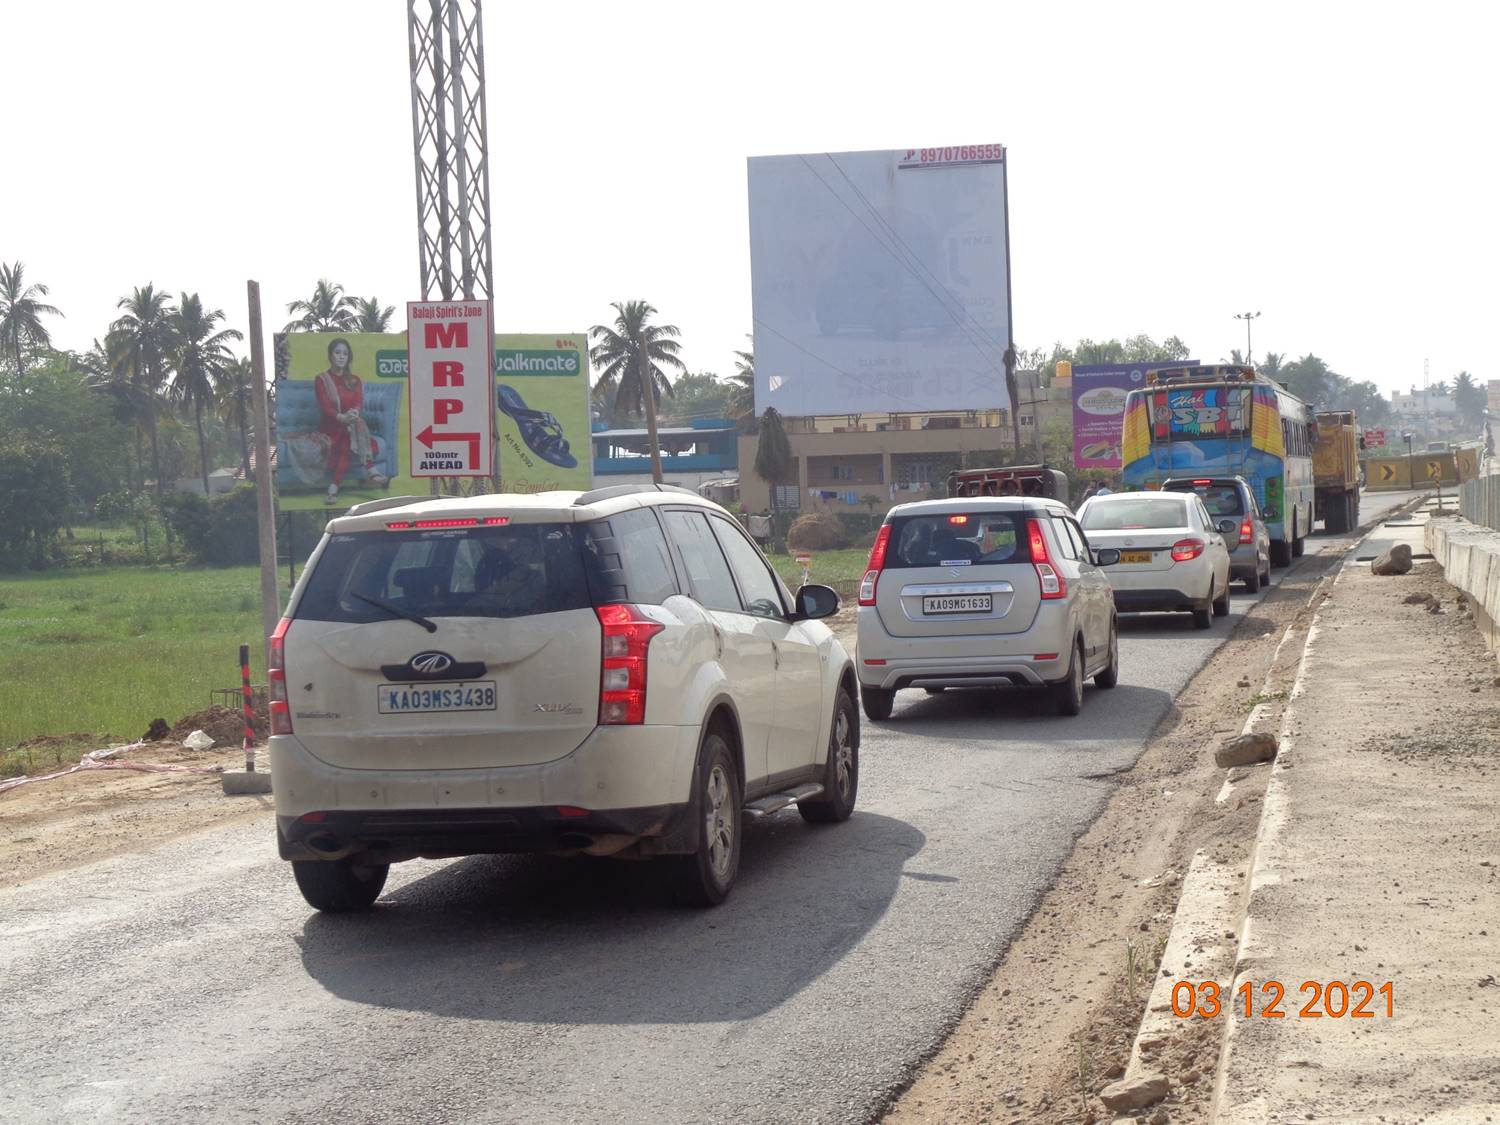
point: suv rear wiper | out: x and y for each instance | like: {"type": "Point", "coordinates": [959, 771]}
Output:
{"type": "Point", "coordinates": [391, 607]}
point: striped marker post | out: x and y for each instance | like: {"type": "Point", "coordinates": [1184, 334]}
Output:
{"type": "Point", "coordinates": [249, 707]}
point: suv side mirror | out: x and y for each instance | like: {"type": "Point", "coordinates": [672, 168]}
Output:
{"type": "Point", "coordinates": [1228, 527]}
{"type": "Point", "coordinates": [1106, 556]}
{"type": "Point", "coordinates": [814, 602]}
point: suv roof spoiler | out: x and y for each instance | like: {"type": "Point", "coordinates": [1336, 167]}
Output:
{"type": "Point", "coordinates": [388, 502]}
{"type": "Point", "coordinates": [610, 491]}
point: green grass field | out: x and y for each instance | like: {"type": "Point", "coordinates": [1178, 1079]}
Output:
{"type": "Point", "coordinates": [107, 650]}
{"type": "Point", "coordinates": [828, 567]}
{"type": "Point", "coordinates": [110, 649]}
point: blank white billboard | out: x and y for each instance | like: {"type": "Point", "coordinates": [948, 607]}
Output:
{"type": "Point", "coordinates": [879, 280]}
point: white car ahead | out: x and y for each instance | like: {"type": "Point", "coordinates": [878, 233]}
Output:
{"type": "Point", "coordinates": [1171, 556]}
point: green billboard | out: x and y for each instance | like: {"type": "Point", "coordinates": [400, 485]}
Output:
{"type": "Point", "coordinates": [342, 416]}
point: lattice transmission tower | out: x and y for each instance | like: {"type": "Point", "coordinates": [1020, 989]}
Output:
{"type": "Point", "coordinates": [451, 144]}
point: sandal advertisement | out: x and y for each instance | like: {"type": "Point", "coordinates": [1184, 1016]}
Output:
{"type": "Point", "coordinates": [342, 416]}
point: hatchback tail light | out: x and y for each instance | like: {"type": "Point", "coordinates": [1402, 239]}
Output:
{"type": "Point", "coordinates": [1054, 585]}
{"type": "Point", "coordinates": [1186, 550]}
{"type": "Point", "coordinates": [1247, 532]}
{"type": "Point", "coordinates": [622, 673]}
{"type": "Point", "coordinates": [875, 566]}
{"type": "Point", "coordinates": [280, 705]}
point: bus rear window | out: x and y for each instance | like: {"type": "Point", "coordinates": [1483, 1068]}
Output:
{"type": "Point", "coordinates": [1200, 412]}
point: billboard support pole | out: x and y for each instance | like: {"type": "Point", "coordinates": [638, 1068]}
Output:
{"type": "Point", "coordinates": [265, 500]}
{"type": "Point", "coordinates": [1010, 326]}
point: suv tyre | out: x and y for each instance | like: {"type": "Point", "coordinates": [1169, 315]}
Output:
{"type": "Point", "coordinates": [336, 886]}
{"type": "Point", "coordinates": [705, 877]}
{"type": "Point", "coordinates": [877, 702]}
{"type": "Point", "coordinates": [1067, 695]}
{"type": "Point", "coordinates": [1252, 581]}
{"type": "Point", "coordinates": [841, 775]}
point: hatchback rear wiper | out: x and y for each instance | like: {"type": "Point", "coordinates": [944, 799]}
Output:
{"type": "Point", "coordinates": [392, 607]}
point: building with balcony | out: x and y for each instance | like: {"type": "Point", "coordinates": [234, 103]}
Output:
{"type": "Point", "coordinates": [868, 462]}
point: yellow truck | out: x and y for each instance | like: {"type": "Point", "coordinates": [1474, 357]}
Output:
{"type": "Point", "coordinates": [1336, 470]}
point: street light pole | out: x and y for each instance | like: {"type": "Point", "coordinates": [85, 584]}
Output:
{"type": "Point", "coordinates": [1247, 317]}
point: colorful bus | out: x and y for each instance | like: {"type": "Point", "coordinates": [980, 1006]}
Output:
{"type": "Point", "coordinates": [1226, 421]}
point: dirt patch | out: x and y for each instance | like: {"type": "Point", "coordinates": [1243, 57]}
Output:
{"type": "Point", "coordinates": [1056, 1022]}
{"type": "Point", "coordinates": [224, 725]}
{"type": "Point", "coordinates": [87, 816]}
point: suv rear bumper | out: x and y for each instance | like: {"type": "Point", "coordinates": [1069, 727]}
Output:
{"type": "Point", "coordinates": [630, 779]}
{"type": "Point", "coordinates": [391, 835]}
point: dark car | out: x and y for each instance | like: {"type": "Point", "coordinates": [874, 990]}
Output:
{"type": "Point", "coordinates": [1231, 503]}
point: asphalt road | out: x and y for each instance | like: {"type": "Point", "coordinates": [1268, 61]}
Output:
{"type": "Point", "coordinates": [190, 982]}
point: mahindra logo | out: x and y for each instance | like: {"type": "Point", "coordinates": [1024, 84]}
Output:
{"type": "Point", "coordinates": [431, 663]}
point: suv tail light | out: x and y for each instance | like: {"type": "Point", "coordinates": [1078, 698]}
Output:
{"type": "Point", "coordinates": [622, 673]}
{"type": "Point", "coordinates": [875, 566]}
{"type": "Point", "coordinates": [1054, 585]}
{"type": "Point", "coordinates": [280, 706]}
{"type": "Point", "coordinates": [1247, 532]}
{"type": "Point", "coordinates": [1186, 550]}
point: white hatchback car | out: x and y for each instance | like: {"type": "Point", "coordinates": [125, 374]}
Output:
{"type": "Point", "coordinates": [1171, 555]}
{"type": "Point", "coordinates": [981, 592]}
{"type": "Point", "coordinates": [618, 672]}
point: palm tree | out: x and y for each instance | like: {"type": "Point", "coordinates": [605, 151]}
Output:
{"type": "Point", "coordinates": [370, 317]}
{"type": "Point", "coordinates": [139, 346]}
{"type": "Point", "coordinates": [199, 358]}
{"type": "Point", "coordinates": [741, 399]}
{"type": "Point", "coordinates": [21, 313]}
{"type": "Point", "coordinates": [129, 404]}
{"type": "Point", "coordinates": [232, 393]}
{"type": "Point", "coordinates": [327, 310]}
{"type": "Point", "coordinates": [629, 358]}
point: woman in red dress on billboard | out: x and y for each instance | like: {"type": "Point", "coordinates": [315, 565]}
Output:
{"type": "Point", "coordinates": [341, 401]}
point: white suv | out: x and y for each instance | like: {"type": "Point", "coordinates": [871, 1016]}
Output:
{"type": "Point", "coordinates": [616, 672]}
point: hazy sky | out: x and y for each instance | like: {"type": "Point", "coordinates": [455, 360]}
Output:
{"type": "Point", "coordinates": [1333, 165]}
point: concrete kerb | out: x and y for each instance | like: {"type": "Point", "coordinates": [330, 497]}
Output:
{"type": "Point", "coordinates": [242, 783]}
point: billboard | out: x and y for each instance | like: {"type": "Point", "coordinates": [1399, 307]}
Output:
{"type": "Point", "coordinates": [1099, 409]}
{"type": "Point", "coordinates": [542, 422]}
{"type": "Point", "coordinates": [880, 280]}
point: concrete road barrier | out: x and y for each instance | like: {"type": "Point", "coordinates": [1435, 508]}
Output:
{"type": "Point", "coordinates": [1470, 558]}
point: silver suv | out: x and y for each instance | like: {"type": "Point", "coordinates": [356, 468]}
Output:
{"type": "Point", "coordinates": [617, 672]}
{"type": "Point", "coordinates": [978, 591]}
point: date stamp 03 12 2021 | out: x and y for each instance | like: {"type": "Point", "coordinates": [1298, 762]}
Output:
{"type": "Point", "coordinates": [1333, 999]}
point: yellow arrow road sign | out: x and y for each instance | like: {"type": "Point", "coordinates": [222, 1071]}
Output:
{"type": "Point", "coordinates": [1387, 473]}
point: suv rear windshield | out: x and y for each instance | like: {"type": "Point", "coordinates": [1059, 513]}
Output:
{"type": "Point", "coordinates": [510, 571]}
{"type": "Point", "coordinates": [1220, 498]}
{"type": "Point", "coordinates": [957, 539]}
{"type": "Point", "coordinates": [1130, 513]}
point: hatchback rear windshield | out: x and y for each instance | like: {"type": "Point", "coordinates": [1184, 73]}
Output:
{"type": "Point", "coordinates": [511, 571]}
{"type": "Point", "coordinates": [1130, 513]}
{"type": "Point", "coordinates": [1219, 499]}
{"type": "Point", "coordinates": [957, 539]}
